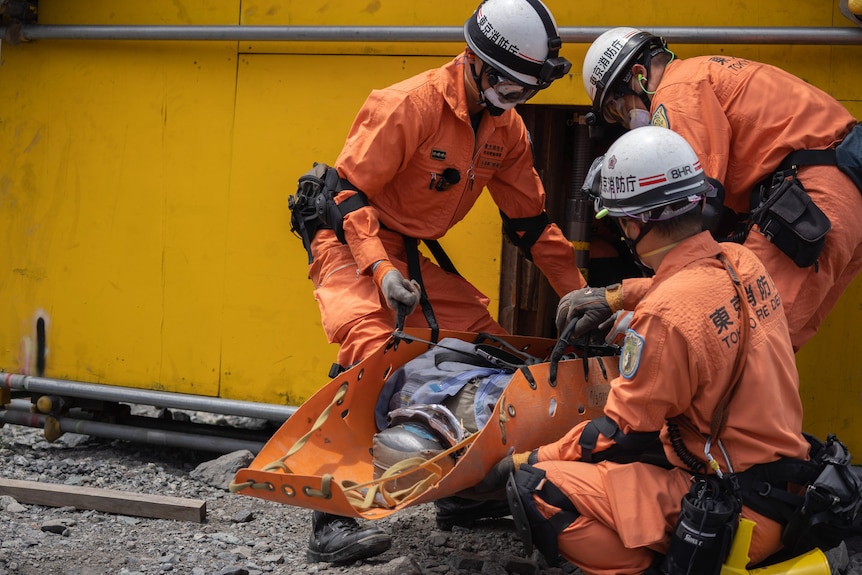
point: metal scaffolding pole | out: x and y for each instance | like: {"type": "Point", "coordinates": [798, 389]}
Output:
{"type": "Point", "coordinates": [16, 33]}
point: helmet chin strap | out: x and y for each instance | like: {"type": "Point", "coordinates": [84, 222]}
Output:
{"type": "Point", "coordinates": [483, 101]}
{"type": "Point", "coordinates": [633, 243]}
{"type": "Point", "coordinates": [659, 250]}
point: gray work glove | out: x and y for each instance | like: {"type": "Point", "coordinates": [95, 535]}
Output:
{"type": "Point", "coordinates": [588, 308]}
{"type": "Point", "coordinates": [397, 290]}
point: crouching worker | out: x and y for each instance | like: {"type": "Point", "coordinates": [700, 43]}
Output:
{"type": "Point", "coordinates": [706, 373]}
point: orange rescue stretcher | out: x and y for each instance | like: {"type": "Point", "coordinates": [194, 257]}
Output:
{"type": "Point", "coordinates": [321, 458]}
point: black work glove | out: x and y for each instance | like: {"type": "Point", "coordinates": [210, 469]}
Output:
{"type": "Point", "coordinates": [499, 474]}
{"type": "Point", "coordinates": [588, 308]}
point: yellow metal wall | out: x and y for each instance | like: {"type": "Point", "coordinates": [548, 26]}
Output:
{"type": "Point", "coordinates": [143, 186]}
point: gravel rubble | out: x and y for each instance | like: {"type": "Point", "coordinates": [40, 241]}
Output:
{"type": "Point", "coordinates": [240, 535]}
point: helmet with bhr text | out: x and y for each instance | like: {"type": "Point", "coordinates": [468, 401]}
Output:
{"type": "Point", "coordinates": [650, 168]}
{"type": "Point", "coordinates": [518, 38]}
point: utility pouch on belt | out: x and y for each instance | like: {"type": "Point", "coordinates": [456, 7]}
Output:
{"type": "Point", "coordinates": [791, 220]}
{"type": "Point", "coordinates": [704, 531]}
{"type": "Point", "coordinates": [313, 206]}
{"type": "Point", "coordinates": [823, 508]}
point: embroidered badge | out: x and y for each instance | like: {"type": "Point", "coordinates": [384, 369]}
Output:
{"type": "Point", "coordinates": [630, 359]}
{"type": "Point", "coordinates": [659, 117]}
{"type": "Point", "coordinates": [438, 154]}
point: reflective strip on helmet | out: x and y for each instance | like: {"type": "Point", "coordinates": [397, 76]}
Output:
{"type": "Point", "coordinates": [649, 168]}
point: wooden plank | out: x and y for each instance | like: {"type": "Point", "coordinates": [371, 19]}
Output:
{"type": "Point", "coordinates": [106, 500]}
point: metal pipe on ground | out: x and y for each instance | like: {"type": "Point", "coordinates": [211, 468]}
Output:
{"type": "Point", "coordinates": [16, 33]}
{"type": "Point", "coordinates": [61, 387]}
{"type": "Point", "coordinates": [133, 434]}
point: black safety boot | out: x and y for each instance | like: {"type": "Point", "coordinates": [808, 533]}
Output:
{"type": "Point", "coordinates": [337, 539]}
{"type": "Point", "coordinates": [452, 511]}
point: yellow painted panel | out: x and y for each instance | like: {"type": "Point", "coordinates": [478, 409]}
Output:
{"type": "Point", "coordinates": [114, 190]}
{"type": "Point", "coordinates": [153, 12]}
{"type": "Point", "coordinates": [274, 344]}
{"type": "Point", "coordinates": [144, 186]}
{"type": "Point", "coordinates": [831, 372]}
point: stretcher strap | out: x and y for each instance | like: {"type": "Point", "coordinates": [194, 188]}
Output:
{"type": "Point", "coordinates": [279, 464]}
{"type": "Point", "coordinates": [373, 493]}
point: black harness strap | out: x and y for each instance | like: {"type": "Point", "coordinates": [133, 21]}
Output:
{"type": "Point", "coordinates": [542, 531]}
{"type": "Point", "coordinates": [531, 229]}
{"type": "Point", "coordinates": [603, 425]}
{"type": "Point", "coordinates": [440, 255]}
{"type": "Point", "coordinates": [642, 446]}
{"type": "Point", "coordinates": [411, 246]}
{"type": "Point", "coordinates": [808, 158]}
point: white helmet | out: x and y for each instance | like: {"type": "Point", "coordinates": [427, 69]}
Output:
{"type": "Point", "coordinates": [519, 39]}
{"type": "Point", "coordinates": [649, 168]}
{"type": "Point", "coordinates": [610, 56]}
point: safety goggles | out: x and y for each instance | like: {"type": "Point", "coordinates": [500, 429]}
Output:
{"type": "Point", "coordinates": [507, 90]}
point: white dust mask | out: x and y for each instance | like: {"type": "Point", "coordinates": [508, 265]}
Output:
{"type": "Point", "coordinates": [493, 98]}
{"type": "Point", "coordinates": [639, 118]}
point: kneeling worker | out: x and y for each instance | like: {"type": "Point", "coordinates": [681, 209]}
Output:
{"type": "Point", "coordinates": [705, 372]}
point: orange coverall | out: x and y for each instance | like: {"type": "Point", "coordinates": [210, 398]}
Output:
{"type": "Point", "coordinates": [678, 360]}
{"type": "Point", "coordinates": [742, 118]}
{"type": "Point", "coordinates": [401, 141]}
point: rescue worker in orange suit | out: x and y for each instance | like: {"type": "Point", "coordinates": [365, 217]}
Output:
{"type": "Point", "coordinates": [419, 154]}
{"type": "Point", "coordinates": [742, 118]}
{"type": "Point", "coordinates": [678, 360]}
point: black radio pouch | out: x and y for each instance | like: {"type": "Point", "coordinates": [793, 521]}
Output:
{"type": "Point", "coordinates": [790, 219]}
{"type": "Point", "coordinates": [704, 531]}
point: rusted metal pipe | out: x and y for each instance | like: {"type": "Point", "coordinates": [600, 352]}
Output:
{"type": "Point", "coordinates": [61, 387]}
{"type": "Point", "coordinates": [215, 444]}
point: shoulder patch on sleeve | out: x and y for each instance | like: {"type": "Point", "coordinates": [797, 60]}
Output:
{"type": "Point", "coordinates": [659, 117]}
{"type": "Point", "coordinates": [630, 359]}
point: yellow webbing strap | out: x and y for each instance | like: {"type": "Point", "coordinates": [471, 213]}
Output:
{"type": "Point", "coordinates": [279, 464]}
{"type": "Point", "coordinates": [300, 443]}
{"type": "Point", "coordinates": [363, 496]}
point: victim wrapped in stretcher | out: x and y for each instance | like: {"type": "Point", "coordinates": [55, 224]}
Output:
{"type": "Point", "coordinates": [321, 458]}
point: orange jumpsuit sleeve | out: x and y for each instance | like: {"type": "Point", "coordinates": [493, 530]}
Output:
{"type": "Point", "coordinates": [743, 117]}
{"type": "Point", "coordinates": [380, 142]}
{"type": "Point", "coordinates": [697, 115]}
